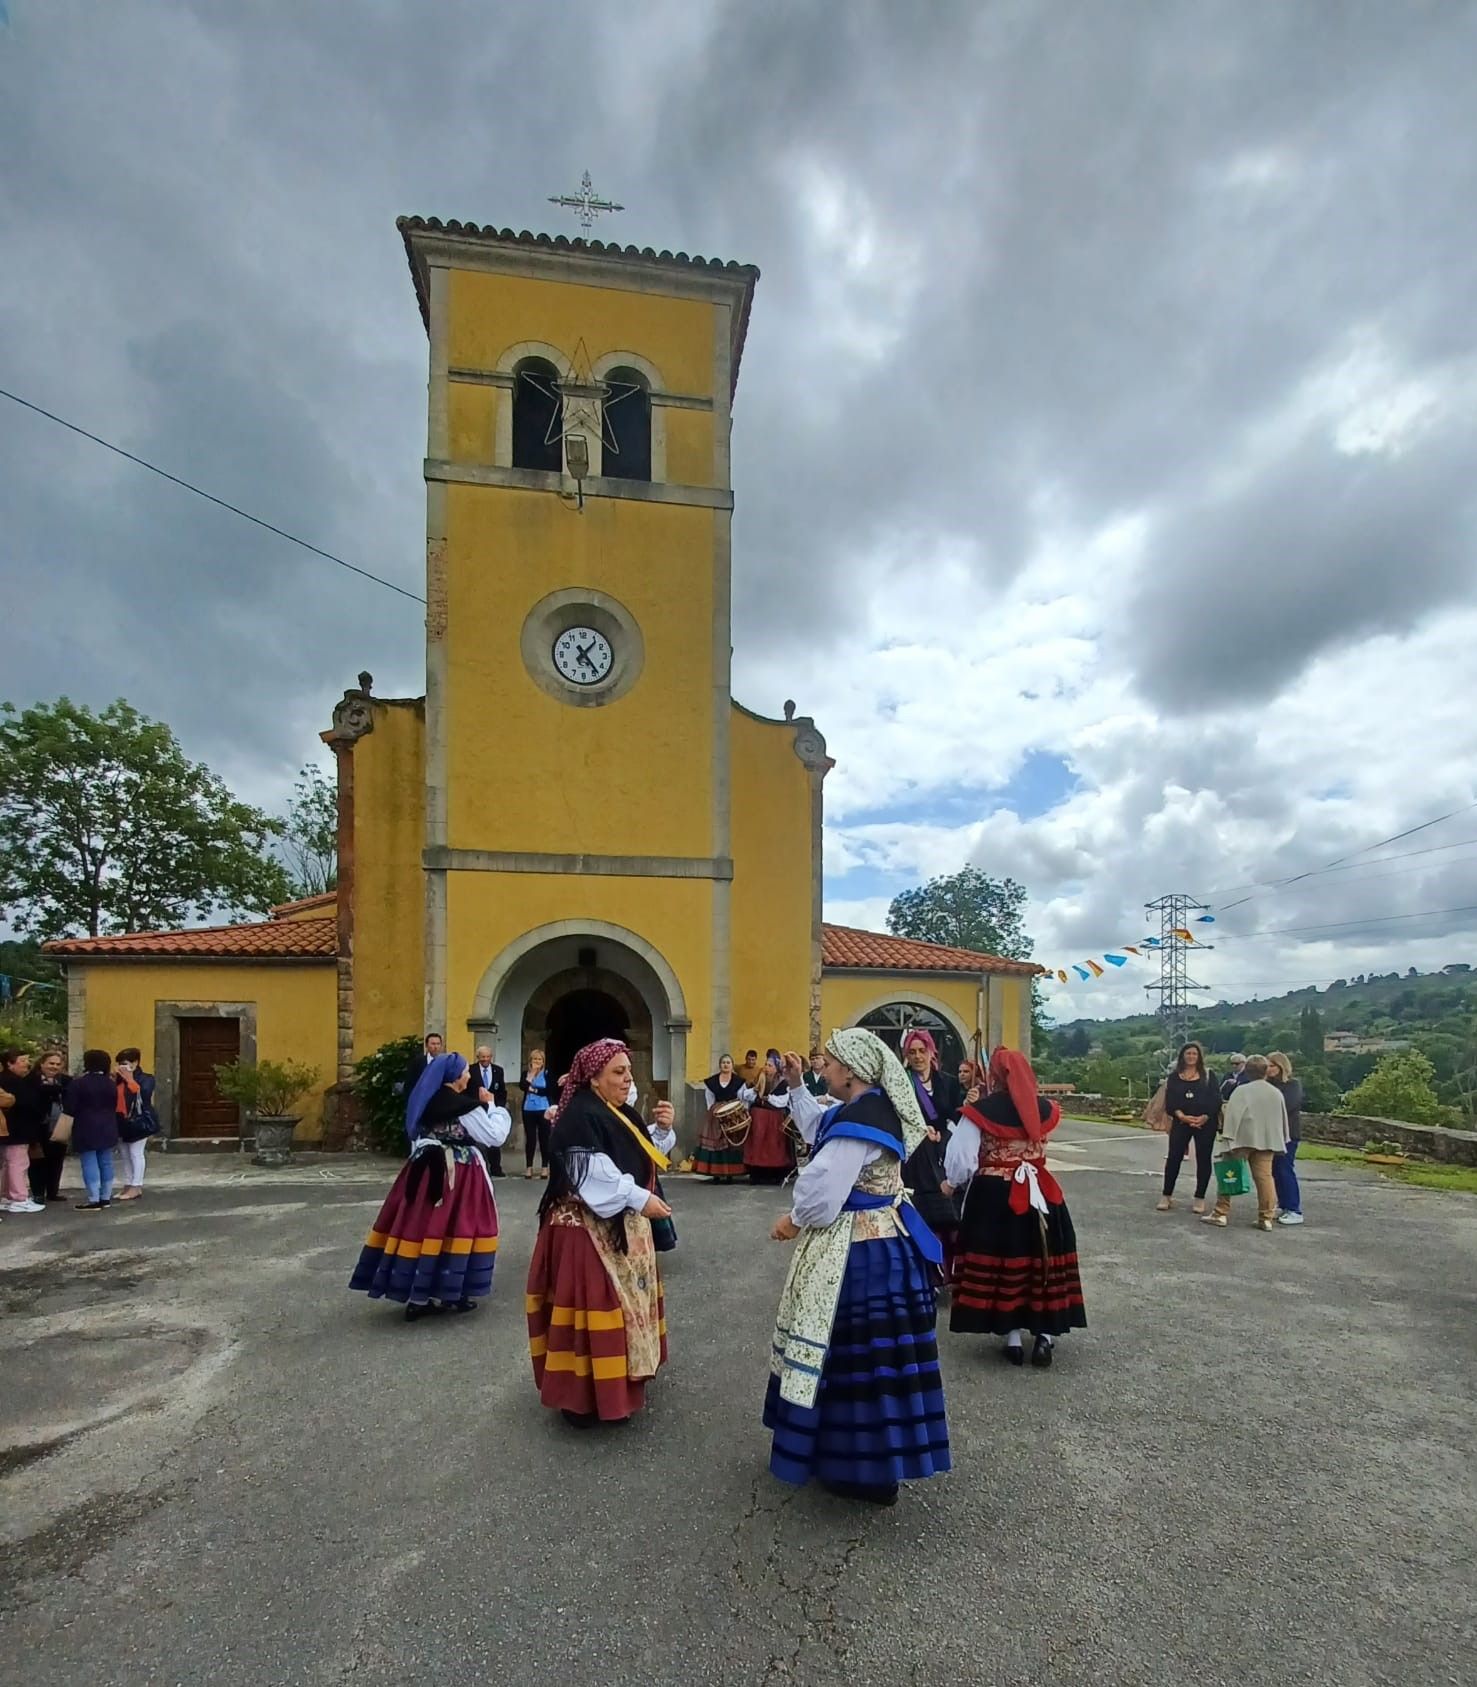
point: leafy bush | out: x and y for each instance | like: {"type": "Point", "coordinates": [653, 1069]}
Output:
{"type": "Point", "coordinates": [377, 1083]}
{"type": "Point", "coordinates": [1320, 1093]}
{"type": "Point", "coordinates": [1384, 1146]}
{"type": "Point", "coordinates": [1400, 1088]}
{"type": "Point", "coordinates": [268, 1088]}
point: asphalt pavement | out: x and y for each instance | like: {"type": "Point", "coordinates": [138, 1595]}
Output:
{"type": "Point", "coordinates": [218, 1466]}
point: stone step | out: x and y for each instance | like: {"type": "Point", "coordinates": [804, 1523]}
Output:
{"type": "Point", "coordinates": [204, 1144]}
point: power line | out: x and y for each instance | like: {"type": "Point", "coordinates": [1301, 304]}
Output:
{"type": "Point", "coordinates": [1343, 925]}
{"type": "Point", "coordinates": [1313, 872]}
{"type": "Point", "coordinates": [209, 497]}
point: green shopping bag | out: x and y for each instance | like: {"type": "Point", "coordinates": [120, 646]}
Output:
{"type": "Point", "coordinates": [1233, 1176]}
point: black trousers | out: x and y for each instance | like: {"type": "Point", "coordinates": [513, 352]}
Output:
{"type": "Point", "coordinates": [536, 1131]}
{"type": "Point", "coordinates": [1180, 1138]}
{"type": "Point", "coordinates": [46, 1173]}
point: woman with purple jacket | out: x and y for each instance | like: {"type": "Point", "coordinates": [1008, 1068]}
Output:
{"type": "Point", "coordinates": [92, 1101]}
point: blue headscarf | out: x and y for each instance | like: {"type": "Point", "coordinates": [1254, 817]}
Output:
{"type": "Point", "coordinates": [444, 1069]}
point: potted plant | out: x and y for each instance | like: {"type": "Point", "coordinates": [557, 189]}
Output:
{"type": "Point", "coordinates": [1380, 1151]}
{"type": "Point", "coordinates": [267, 1091]}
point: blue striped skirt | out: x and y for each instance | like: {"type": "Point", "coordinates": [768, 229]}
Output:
{"type": "Point", "coordinates": [879, 1415]}
{"type": "Point", "coordinates": [428, 1242]}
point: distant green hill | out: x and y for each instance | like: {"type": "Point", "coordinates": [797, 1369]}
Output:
{"type": "Point", "coordinates": [1434, 1012]}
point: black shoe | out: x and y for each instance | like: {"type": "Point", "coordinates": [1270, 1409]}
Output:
{"type": "Point", "coordinates": [579, 1420]}
{"type": "Point", "coordinates": [1041, 1354]}
{"type": "Point", "coordinates": [869, 1493]}
{"type": "Point", "coordinates": [54, 1198]}
{"type": "Point", "coordinates": [413, 1312]}
{"type": "Point", "coordinates": [90, 1206]}
{"type": "Point", "coordinates": [1013, 1354]}
{"type": "Point", "coordinates": [465, 1305]}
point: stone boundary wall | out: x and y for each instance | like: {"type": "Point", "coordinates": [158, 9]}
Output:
{"type": "Point", "coordinates": [1426, 1142]}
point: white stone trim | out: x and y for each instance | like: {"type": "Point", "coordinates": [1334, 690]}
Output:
{"type": "Point", "coordinates": [899, 997]}
{"type": "Point", "coordinates": [654, 384]}
{"type": "Point", "coordinates": [502, 406]}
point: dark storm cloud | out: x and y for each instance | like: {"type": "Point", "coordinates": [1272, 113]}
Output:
{"type": "Point", "coordinates": [1026, 266]}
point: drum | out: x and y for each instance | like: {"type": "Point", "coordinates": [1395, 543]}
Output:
{"type": "Point", "coordinates": [732, 1118]}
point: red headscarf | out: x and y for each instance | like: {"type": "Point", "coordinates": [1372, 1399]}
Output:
{"type": "Point", "coordinates": [926, 1038]}
{"type": "Point", "coordinates": [1011, 1071]}
{"type": "Point", "coordinates": [589, 1063]}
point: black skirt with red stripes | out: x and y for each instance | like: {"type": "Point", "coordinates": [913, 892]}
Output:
{"type": "Point", "coordinates": [1015, 1271]}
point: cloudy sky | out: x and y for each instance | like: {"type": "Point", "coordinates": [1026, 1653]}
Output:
{"type": "Point", "coordinates": [1104, 444]}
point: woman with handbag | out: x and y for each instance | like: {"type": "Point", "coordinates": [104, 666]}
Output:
{"type": "Point", "coordinates": [1255, 1128]}
{"type": "Point", "coordinates": [1192, 1105]}
{"type": "Point", "coordinates": [137, 1122]}
{"type": "Point", "coordinates": [46, 1168]}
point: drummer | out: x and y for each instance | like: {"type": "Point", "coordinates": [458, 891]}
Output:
{"type": "Point", "coordinates": [717, 1157]}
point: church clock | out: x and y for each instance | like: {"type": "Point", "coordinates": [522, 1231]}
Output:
{"type": "Point", "coordinates": [583, 656]}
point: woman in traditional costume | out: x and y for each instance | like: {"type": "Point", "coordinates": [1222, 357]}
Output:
{"type": "Point", "coordinates": [596, 1329]}
{"type": "Point", "coordinates": [1017, 1260]}
{"type": "Point", "coordinates": [855, 1396]}
{"type": "Point", "coordinates": [939, 1101]}
{"type": "Point", "coordinates": [435, 1240]}
{"type": "Point", "coordinates": [716, 1156]}
{"type": "Point", "coordinates": [769, 1155]}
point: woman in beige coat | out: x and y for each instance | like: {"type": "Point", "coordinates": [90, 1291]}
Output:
{"type": "Point", "coordinates": [1253, 1128]}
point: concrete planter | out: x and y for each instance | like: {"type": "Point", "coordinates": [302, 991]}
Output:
{"type": "Point", "coordinates": [273, 1138]}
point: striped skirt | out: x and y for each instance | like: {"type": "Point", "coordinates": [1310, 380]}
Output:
{"type": "Point", "coordinates": [768, 1154]}
{"type": "Point", "coordinates": [578, 1335]}
{"type": "Point", "coordinates": [715, 1156]}
{"type": "Point", "coordinates": [1015, 1271]}
{"type": "Point", "coordinates": [879, 1415]}
{"type": "Point", "coordinates": [418, 1251]}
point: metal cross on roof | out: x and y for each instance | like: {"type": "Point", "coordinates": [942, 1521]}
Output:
{"type": "Point", "coordinates": [584, 203]}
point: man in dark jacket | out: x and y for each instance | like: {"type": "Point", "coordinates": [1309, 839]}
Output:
{"type": "Point", "coordinates": [430, 1049]}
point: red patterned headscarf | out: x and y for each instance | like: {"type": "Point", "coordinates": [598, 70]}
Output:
{"type": "Point", "coordinates": [589, 1063]}
{"type": "Point", "coordinates": [1011, 1071]}
{"type": "Point", "coordinates": [919, 1035]}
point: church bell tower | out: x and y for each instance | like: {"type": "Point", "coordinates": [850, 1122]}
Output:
{"type": "Point", "coordinates": [577, 764]}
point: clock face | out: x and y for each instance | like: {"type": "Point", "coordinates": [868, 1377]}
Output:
{"type": "Point", "coordinates": [583, 656]}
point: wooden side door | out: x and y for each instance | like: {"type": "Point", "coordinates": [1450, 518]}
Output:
{"type": "Point", "coordinates": [205, 1044]}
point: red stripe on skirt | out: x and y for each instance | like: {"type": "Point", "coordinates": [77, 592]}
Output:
{"type": "Point", "coordinates": [566, 1274]}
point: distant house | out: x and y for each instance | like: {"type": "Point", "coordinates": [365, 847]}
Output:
{"type": "Point", "coordinates": [1350, 1042]}
{"type": "Point", "coordinates": [1058, 1089]}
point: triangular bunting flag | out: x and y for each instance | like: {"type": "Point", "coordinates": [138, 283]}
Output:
{"type": "Point", "coordinates": [1097, 971]}
{"type": "Point", "coordinates": [1116, 960]}
{"type": "Point", "coordinates": [1081, 972]}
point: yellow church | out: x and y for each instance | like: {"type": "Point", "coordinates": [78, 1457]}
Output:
{"type": "Point", "coordinates": [647, 863]}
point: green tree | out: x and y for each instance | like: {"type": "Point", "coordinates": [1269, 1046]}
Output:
{"type": "Point", "coordinates": [1400, 1088]}
{"type": "Point", "coordinates": [310, 833]}
{"type": "Point", "coordinates": [1320, 1093]}
{"type": "Point", "coordinates": [971, 910]}
{"type": "Point", "coordinates": [106, 826]}
{"type": "Point", "coordinates": [966, 910]}
{"type": "Point", "coordinates": [1310, 1034]}
{"type": "Point", "coordinates": [377, 1082]}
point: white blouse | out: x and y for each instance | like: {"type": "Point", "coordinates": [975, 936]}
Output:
{"type": "Point", "coordinates": [830, 1175]}
{"type": "Point", "coordinates": [962, 1156]}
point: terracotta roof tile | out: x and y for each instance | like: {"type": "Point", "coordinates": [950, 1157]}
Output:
{"type": "Point", "coordinates": [845, 946]}
{"type": "Point", "coordinates": [278, 940]}
{"type": "Point", "coordinates": [410, 226]}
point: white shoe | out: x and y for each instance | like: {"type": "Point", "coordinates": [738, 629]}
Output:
{"type": "Point", "coordinates": [24, 1207]}
{"type": "Point", "coordinates": [1289, 1218]}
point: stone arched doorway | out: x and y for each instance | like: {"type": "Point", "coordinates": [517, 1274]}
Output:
{"type": "Point", "coordinates": [565, 984]}
{"type": "Point", "coordinates": [576, 1006]}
